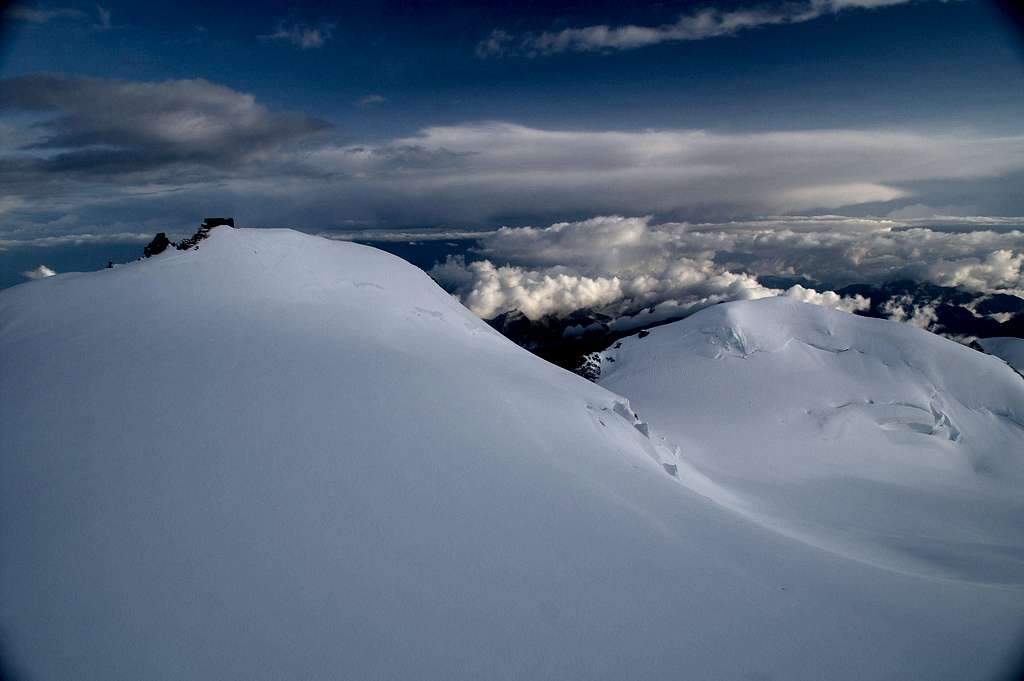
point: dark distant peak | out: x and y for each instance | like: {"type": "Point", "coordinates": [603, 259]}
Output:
{"type": "Point", "coordinates": [908, 295]}
{"type": "Point", "coordinates": [998, 303]}
{"type": "Point", "coordinates": [776, 281]}
{"type": "Point", "coordinates": [1013, 327]}
{"type": "Point", "coordinates": [927, 291]}
{"type": "Point", "coordinates": [953, 320]}
{"type": "Point", "coordinates": [508, 322]}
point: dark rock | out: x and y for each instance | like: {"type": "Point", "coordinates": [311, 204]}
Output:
{"type": "Point", "coordinates": [158, 245]}
{"type": "Point", "coordinates": [204, 231]}
{"type": "Point", "coordinates": [210, 223]}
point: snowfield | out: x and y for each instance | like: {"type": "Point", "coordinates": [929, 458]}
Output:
{"type": "Point", "coordinates": [867, 437]}
{"type": "Point", "coordinates": [278, 456]}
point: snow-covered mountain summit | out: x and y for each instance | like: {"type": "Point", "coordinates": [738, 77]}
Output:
{"type": "Point", "coordinates": [277, 456]}
{"type": "Point", "coordinates": [869, 437]}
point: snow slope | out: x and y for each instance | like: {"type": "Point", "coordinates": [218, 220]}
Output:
{"type": "Point", "coordinates": [1010, 350]}
{"type": "Point", "coordinates": [279, 457]}
{"type": "Point", "coordinates": [870, 438]}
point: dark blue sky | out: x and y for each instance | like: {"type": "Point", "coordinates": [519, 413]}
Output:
{"type": "Point", "coordinates": [129, 118]}
{"type": "Point", "coordinates": [947, 62]}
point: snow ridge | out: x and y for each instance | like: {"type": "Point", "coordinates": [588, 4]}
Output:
{"type": "Point", "coordinates": [353, 476]}
{"type": "Point", "coordinates": [776, 402]}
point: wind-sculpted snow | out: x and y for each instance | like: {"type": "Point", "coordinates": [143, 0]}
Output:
{"type": "Point", "coordinates": [276, 456]}
{"type": "Point", "coordinates": [870, 438]}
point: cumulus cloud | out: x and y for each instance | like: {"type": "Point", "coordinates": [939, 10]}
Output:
{"type": "Point", "coordinates": [640, 272]}
{"type": "Point", "coordinates": [1000, 269]}
{"type": "Point", "coordinates": [903, 309]}
{"type": "Point", "coordinates": [835, 250]}
{"type": "Point", "coordinates": [701, 24]}
{"type": "Point", "coordinates": [302, 36]}
{"type": "Point", "coordinates": [41, 272]}
{"type": "Point", "coordinates": [493, 290]}
{"type": "Point", "coordinates": [634, 298]}
{"type": "Point", "coordinates": [831, 299]}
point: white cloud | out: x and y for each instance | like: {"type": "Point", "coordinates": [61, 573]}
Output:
{"type": "Point", "coordinates": [476, 171]}
{"type": "Point", "coordinates": [701, 24]}
{"type": "Point", "coordinates": [640, 272]}
{"type": "Point", "coordinates": [302, 36]}
{"type": "Point", "coordinates": [41, 272]}
{"type": "Point", "coordinates": [534, 293]}
{"type": "Point", "coordinates": [829, 299]}
{"type": "Point", "coordinates": [903, 309]}
{"type": "Point", "coordinates": [634, 299]}
{"type": "Point", "coordinates": [1000, 269]}
{"type": "Point", "coordinates": [834, 249]}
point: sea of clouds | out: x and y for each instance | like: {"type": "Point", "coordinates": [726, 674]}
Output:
{"type": "Point", "coordinates": [639, 271]}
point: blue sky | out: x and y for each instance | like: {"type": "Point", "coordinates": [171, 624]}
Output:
{"type": "Point", "coordinates": [122, 119]}
{"type": "Point", "coordinates": [950, 63]}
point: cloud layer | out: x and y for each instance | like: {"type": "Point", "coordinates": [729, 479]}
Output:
{"type": "Point", "coordinates": [701, 24]}
{"type": "Point", "coordinates": [640, 272]}
{"type": "Point", "coordinates": [84, 155]}
{"type": "Point", "coordinates": [482, 171]}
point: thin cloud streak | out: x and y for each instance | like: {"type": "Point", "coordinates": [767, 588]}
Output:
{"type": "Point", "coordinates": [370, 100]}
{"type": "Point", "coordinates": [41, 15]}
{"type": "Point", "coordinates": [302, 36]}
{"type": "Point", "coordinates": [702, 24]}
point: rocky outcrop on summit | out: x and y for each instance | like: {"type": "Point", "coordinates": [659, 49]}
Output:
{"type": "Point", "coordinates": [157, 246]}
